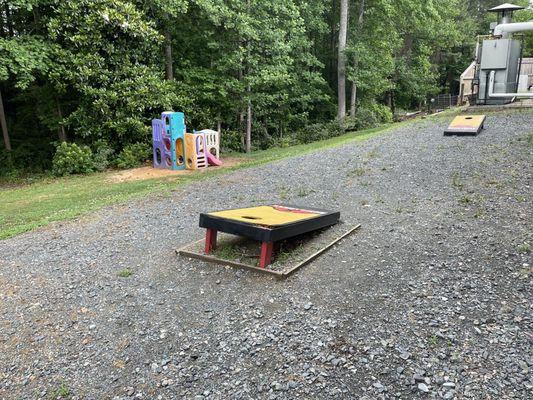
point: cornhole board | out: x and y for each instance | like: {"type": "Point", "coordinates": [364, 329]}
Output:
{"type": "Point", "coordinates": [466, 125]}
{"type": "Point", "coordinates": [310, 231]}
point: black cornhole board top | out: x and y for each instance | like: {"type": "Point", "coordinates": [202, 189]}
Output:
{"type": "Point", "coordinates": [262, 233]}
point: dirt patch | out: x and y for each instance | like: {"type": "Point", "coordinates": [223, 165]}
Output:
{"type": "Point", "coordinates": [148, 172]}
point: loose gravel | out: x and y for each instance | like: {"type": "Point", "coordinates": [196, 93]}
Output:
{"type": "Point", "coordinates": [431, 298]}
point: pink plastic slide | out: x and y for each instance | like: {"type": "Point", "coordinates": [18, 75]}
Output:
{"type": "Point", "coordinates": [213, 160]}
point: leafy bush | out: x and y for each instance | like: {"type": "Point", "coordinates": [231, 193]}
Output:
{"type": "Point", "coordinates": [133, 155]}
{"type": "Point", "coordinates": [311, 133]}
{"type": "Point", "coordinates": [287, 141]}
{"type": "Point", "coordinates": [315, 132]}
{"type": "Point", "coordinates": [372, 114]}
{"type": "Point", "coordinates": [230, 141]}
{"type": "Point", "coordinates": [7, 166]}
{"type": "Point", "coordinates": [102, 155]}
{"type": "Point", "coordinates": [334, 128]}
{"type": "Point", "coordinates": [383, 112]}
{"type": "Point", "coordinates": [72, 159]}
{"type": "Point", "coordinates": [366, 118]}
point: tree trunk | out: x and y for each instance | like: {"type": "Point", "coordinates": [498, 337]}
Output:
{"type": "Point", "coordinates": [248, 91]}
{"type": "Point", "coordinates": [169, 71]}
{"type": "Point", "coordinates": [249, 124]}
{"type": "Point", "coordinates": [353, 96]}
{"type": "Point", "coordinates": [341, 67]}
{"type": "Point", "coordinates": [61, 129]}
{"type": "Point", "coordinates": [9, 22]}
{"type": "Point", "coordinates": [353, 99]}
{"type": "Point", "coordinates": [240, 116]}
{"type": "Point", "coordinates": [332, 42]}
{"type": "Point", "coordinates": [7, 142]}
{"type": "Point", "coordinates": [2, 25]}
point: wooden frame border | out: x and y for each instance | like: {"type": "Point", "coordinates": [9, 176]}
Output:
{"type": "Point", "coordinates": [279, 274]}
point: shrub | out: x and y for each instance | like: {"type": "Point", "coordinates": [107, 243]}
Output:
{"type": "Point", "coordinates": [7, 166]}
{"type": "Point", "coordinates": [287, 141]}
{"type": "Point", "coordinates": [334, 128]}
{"type": "Point", "coordinates": [383, 112]}
{"type": "Point", "coordinates": [101, 155]}
{"type": "Point", "coordinates": [72, 159]}
{"type": "Point", "coordinates": [231, 141]}
{"type": "Point", "coordinates": [311, 133]}
{"type": "Point", "coordinates": [366, 119]}
{"type": "Point", "coordinates": [133, 155]}
{"type": "Point", "coordinates": [350, 123]}
{"type": "Point", "coordinates": [372, 114]}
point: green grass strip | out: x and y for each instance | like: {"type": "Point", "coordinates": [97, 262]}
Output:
{"type": "Point", "coordinates": [24, 208]}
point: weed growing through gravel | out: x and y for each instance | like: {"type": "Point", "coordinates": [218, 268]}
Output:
{"type": "Point", "coordinates": [125, 273]}
{"type": "Point", "coordinates": [524, 248]}
{"type": "Point", "coordinates": [464, 200]}
{"type": "Point", "coordinates": [303, 192]}
{"type": "Point", "coordinates": [433, 340]}
{"type": "Point", "coordinates": [227, 252]}
{"type": "Point", "coordinates": [285, 255]}
{"type": "Point", "coordinates": [457, 182]}
{"type": "Point", "coordinates": [356, 172]}
{"type": "Point", "coordinates": [494, 182]}
{"type": "Point", "coordinates": [61, 392]}
{"type": "Point", "coordinates": [283, 193]}
{"type": "Point", "coordinates": [379, 200]}
{"type": "Point", "coordinates": [372, 154]}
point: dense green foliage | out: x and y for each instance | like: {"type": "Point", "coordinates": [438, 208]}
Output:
{"type": "Point", "coordinates": [96, 72]}
{"type": "Point", "coordinates": [72, 159]}
{"type": "Point", "coordinates": [133, 155]}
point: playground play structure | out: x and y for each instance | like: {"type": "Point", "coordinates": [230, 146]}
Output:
{"type": "Point", "coordinates": [175, 148]}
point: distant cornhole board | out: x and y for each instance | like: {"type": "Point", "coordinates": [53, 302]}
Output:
{"type": "Point", "coordinates": [299, 233]}
{"type": "Point", "coordinates": [466, 125]}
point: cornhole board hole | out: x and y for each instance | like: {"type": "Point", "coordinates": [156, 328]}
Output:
{"type": "Point", "coordinates": [466, 125]}
{"type": "Point", "coordinates": [299, 234]}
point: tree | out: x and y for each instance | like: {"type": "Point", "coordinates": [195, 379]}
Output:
{"type": "Point", "coordinates": [359, 26]}
{"type": "Point", "coordinates": [260, 70]}
{"type": "Point", "coordinates": [5, 132]}
{"type": "Point", "coordinates": [341, 68]}
{"type": "Point", "coordinates": [108, 57]}
{"type": "Point", "coordinates": [23, 58]}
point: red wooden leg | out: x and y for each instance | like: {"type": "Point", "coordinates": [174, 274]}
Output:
{"type": "Point", "coordinates": [266, 254]}
{"type": "Point", "coordinates": [210, 240]}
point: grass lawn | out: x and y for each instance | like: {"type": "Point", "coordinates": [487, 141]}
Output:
{"type": "Point", "coordinates": [27, 207]}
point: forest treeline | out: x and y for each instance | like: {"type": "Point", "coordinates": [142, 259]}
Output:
{"type": "Point", "coordinates": [266, 72]}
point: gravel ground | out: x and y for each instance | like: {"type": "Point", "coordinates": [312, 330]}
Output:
{"type": "Point", "coordinates": [431, 298]}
